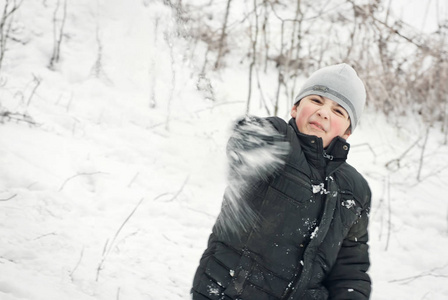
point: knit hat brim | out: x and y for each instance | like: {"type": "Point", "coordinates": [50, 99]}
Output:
{"type": "Point", "coordinates": [341, 84]}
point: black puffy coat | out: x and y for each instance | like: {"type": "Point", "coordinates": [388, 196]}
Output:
{"type": "Point", "coordinates": [311, 238]}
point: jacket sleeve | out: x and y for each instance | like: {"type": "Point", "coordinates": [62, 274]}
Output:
{"type": "Point", "coordinates": [348, 278]}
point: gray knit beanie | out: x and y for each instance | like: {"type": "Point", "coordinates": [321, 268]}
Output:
{"type": "Point", "coordinates": [341, 84]}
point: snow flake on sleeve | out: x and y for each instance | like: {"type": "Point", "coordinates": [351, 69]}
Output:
{"type": "Point", "coordinates": [314, 233]}
{"type": "Point", "coordinates": [319, 188]}
{"type": "Point", "coordinates": [213, 290]}
{"type": "Point", "coordinates": [348, 203]}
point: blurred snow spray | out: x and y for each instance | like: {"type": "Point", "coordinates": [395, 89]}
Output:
{"type": "Point", "coordinates": [256, 151]}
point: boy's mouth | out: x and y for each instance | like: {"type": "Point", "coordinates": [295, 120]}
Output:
{"type": "Point", "coordinates": [317, 126]}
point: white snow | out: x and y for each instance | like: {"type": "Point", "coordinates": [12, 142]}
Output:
{"type": "Point", "coordinates": [348, 203]}
{"type": "Point", "coordinates": [314, 233]}
{"type": "Point", "coordinates": [110, 198]}
{"type": "Point", "coordinates": [318, 188]}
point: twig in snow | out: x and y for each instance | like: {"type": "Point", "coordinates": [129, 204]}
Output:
{"type": "Point", "coordinates": [74, 125]}
{"type": "Point", "coordinates": [76, 175]}
{"type": "Point", "coordinates": [160, 196]}
{"type": "Point", "coordinates": [133, 179]}
{"type": "Point", "coordinates": [169, 41]}
{"type": "Point", "coordinates": [58, 33]}
{"type": "Point", "coordinates": [152, 68]}
{"type": "Point", "coordinates": [436, 172]}
{"type": "Point", "coordinates": [367, 145]}
{"type": "Point", "coordinates": [412, 278]}
{"type": "Point", "coordinates": [44, 235]}
{"type": "Point", "coordinates": [202, 212]}
{"type": "Point", "coordinates": [209, 109]}
{"type": "Point", "coordinates": [7, 259]}
{"type": "Point", "coordinates": [170, 240]}
{"type": "Point", "coordinates": [77, 264]}
{"type": "Point", "coordinates": [3, 81]}
{"type": "Point", "coordinates": [37, 80]}
{"type": "Point", "coordinates": [124, 223]}
{"type": "Point", "coordinates": [397, 160]}
{"type": "Point", "coordinates": [389, 213]}
{"type": "Point", "coordinates": [176, 194]}
{"type": "Point", "coordinates": [107, 250]}
{"type": "Point", "coordinates": [17, 117]}
{"type": "Point", "coordinates": [69, 102]}
{"type": "Point", "coordinates": [420, 165]}
{"type": "Point", "coordinates": [7, 199]}
{"type": "Point", "coordinates": [179, 191]}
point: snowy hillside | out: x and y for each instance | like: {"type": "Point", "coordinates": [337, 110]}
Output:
{"type": "Point", "coordinates": [110, 185]}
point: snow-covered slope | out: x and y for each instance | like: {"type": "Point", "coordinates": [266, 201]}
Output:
{"type": "Point", "coordinates": [112, 191]}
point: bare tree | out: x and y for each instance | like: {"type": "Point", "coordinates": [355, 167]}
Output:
{"type": "Point", "coordinates": [254, 41]}
{"type": "Point", "coordinates": [223, 35]}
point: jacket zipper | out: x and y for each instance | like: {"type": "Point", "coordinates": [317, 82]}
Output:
{"type": "Point", "coordinates": [300, 283]}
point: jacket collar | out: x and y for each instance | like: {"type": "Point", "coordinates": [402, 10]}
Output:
{"type": "Point", "coordinates": [315, 153]}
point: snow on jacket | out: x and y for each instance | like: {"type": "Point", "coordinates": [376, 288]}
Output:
{"type": "Point", "coordinates": [306, 237]}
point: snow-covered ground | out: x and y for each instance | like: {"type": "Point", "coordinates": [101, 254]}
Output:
{"type": "Point", "coordinates": [112, 193]}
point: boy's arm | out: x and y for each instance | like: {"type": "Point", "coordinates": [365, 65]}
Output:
{"type": "Point", "coordinates": [348, 278]}
{"type": "Point", "coordinates": [256, 151]}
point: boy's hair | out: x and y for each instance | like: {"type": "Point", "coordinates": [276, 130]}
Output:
{"type": "Point", "coordinates": [341, 84]}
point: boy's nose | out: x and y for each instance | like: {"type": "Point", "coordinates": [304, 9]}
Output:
{"type": "Point", "coordinates": [323, 113]}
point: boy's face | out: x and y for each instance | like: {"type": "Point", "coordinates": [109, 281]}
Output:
{"type": "Point", "coordinates": [322, 117]}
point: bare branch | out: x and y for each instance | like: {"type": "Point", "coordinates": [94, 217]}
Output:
{"type": "Point", "coordinates": [420, 165]}
{"type": "Point", "coordinates": [112, 243]}
{"type": "Point", "coordinates": [254, 40]}
{"type": "Point", "coordinates": [10, 7]}
{"type": "Point", "coordinates": [9, 198]}
{"type": "Point", "coordinates": [398, 160]}
{"type": "Point", "coordinates": [37, 82]}
{"type": "Point", "coordinates": [77, 264]}
{"type": "Point", "coordinates": [77, 175]}
{"type": "Point", "coordinates": [223, 35]}
{"type": "Point", "coordinates": [58, 33]}
{"type": "Point", "coordinates": [430, 273]}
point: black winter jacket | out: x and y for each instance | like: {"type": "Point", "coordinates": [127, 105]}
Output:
{"type": "Point", "coordinates": [310, 241]}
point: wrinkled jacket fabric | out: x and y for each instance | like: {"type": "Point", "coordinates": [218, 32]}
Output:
{"type": "Point", "coordinates": [278, 259]}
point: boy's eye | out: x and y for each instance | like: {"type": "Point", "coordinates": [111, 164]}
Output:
{"type": "Point", "coordinates": [339, 112]}
{"type": "Point", "coordinates": [316, 100]}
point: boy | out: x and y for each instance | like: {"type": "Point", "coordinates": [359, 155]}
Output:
{"type": "Point", "coordinates": [293, 224]}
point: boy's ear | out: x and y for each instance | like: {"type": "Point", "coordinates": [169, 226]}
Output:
{"type": "Point", "coordinates": [347, 133]}
{"type": "Point", "coordinates": [294, 111]}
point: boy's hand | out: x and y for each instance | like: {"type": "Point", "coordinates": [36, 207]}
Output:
{"type": "Point", "coordinates": [256, 150]}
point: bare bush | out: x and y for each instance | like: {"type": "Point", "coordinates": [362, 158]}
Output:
{"type": "Point", "coordinates": [404, 69]}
